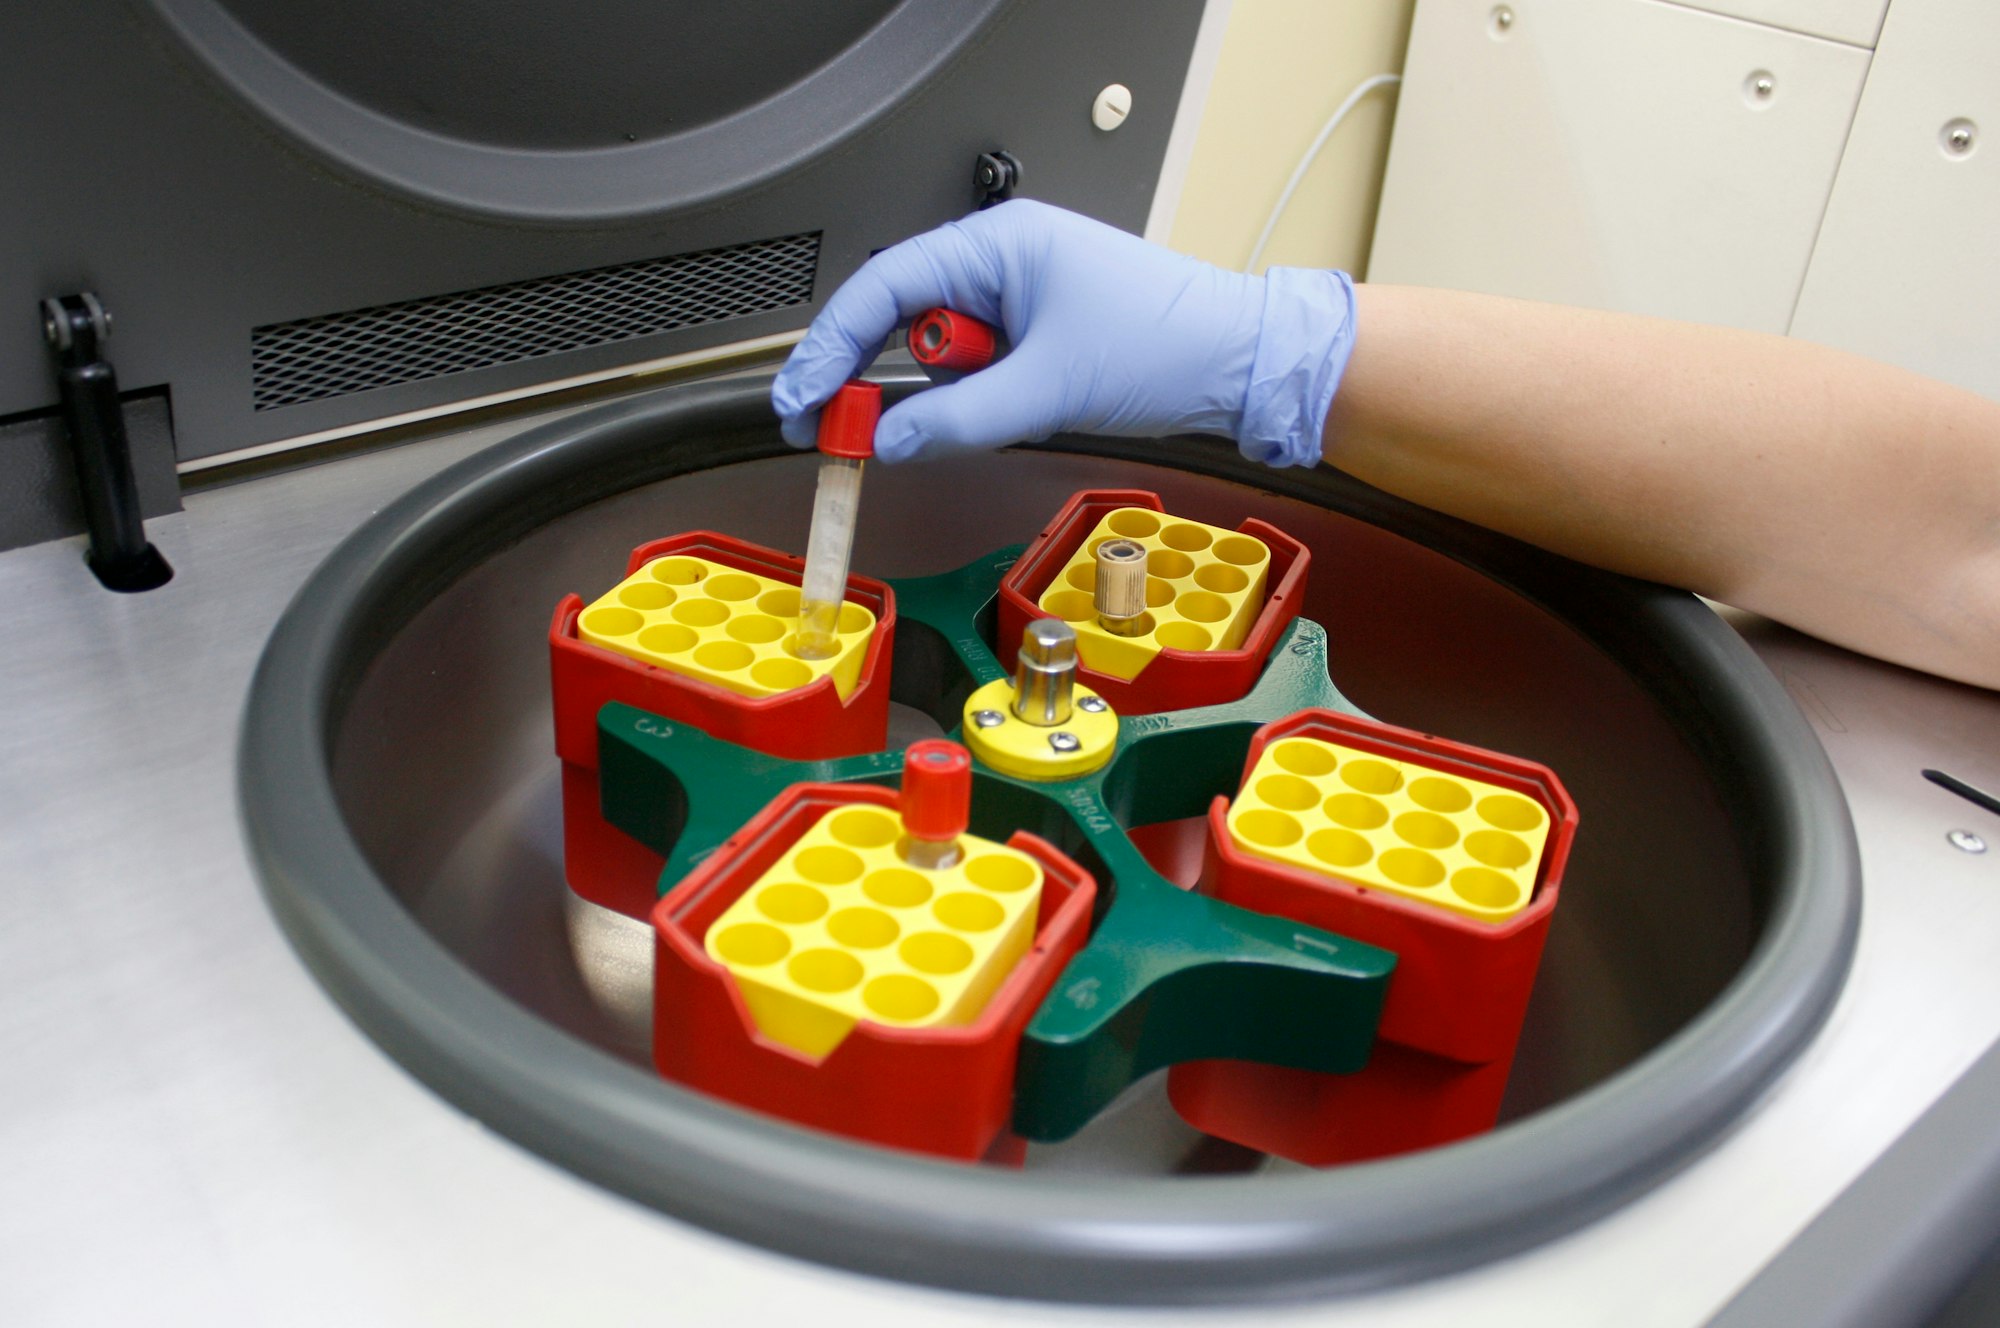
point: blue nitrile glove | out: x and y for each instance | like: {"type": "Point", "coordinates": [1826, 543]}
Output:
{"type": "Point", "coordinates": [1111, 335]}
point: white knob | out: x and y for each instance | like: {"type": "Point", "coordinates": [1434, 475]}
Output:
{"type": "Point", "coordinates": [1111, 107]}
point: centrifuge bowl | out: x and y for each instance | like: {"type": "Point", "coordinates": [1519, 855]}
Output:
{"type": "Point", "coordinates": [398, 787]}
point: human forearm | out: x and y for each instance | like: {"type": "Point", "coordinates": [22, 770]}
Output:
{"type": "Point", "coordinates": [1858, 502]}
{"type": "Point", "coordinates": [1855, 501]}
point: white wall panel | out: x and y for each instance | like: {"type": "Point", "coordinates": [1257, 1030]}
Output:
{"type": "Point", "coordinates": [1854, 21]}
{"type": "Point", "coordinates": [1908, 263]}
{"type": "Point", "coordinates": [1613, 153]}
{"type": "Point", "coordinates": [1281, 69]}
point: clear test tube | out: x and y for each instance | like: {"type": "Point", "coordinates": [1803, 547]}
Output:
{"type": "Point", "coordinates": [829, 548]}
{"type": "Point", "coordinates": [846, 441]}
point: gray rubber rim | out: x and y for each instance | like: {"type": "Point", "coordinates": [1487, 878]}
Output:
{"type": "Point", "coordinates": [1154, 1241]}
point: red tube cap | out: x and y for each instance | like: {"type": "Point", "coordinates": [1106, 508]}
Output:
{"type": "Point", "coordinates": [847, 423]}
{"type": "Point", "coordinates": [937, 790]}
{"type": "Point", "coordinates": [943, 339]}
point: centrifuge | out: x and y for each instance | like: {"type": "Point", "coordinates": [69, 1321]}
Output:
{"type": "Point", "coordinates": [380, 355]}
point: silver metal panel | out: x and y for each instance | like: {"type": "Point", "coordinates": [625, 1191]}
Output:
{"type": "Point", "coordinates": [192, 1133]}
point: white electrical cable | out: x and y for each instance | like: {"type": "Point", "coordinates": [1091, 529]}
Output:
{"type": "Point", "coordinates": [1305, 163]}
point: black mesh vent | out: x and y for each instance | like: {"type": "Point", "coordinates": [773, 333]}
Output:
{"type": "Point", "coordinates": [331, 356]}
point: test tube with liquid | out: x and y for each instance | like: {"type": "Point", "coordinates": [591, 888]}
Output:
{"type": "Point", "coordinates": [846, 441]}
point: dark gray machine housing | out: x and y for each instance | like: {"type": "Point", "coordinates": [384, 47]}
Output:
{"type": "Point", "coordinates": [307, 216]}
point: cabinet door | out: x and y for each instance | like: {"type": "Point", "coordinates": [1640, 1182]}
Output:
{"type": "Point", "coordinates": [1622, 154]}
{"type": "Point", "coordinates": [1908, 263]}
{"type": "Point", "coordinates": [1853, 21]}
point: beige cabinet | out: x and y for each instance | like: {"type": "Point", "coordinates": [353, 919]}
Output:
{"type": "Point", "coordinates": [1907, 268]}
{"type": "Point", "coordinates": [1853, 21]}
{"type": "Point", "coordinates": [1620, 154]}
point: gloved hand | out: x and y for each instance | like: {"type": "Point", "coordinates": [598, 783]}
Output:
{"type": "Point", "coordinates": [1111, 335]}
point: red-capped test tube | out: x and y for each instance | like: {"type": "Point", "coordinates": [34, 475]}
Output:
{"type": "Point", "coordinates": [948, 344]}
{"type": "Point", "coordinates": [846, 440]}
{"type": "Point", "coordinates": [936, 802]}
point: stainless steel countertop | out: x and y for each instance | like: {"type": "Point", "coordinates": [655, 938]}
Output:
{"type": "Point", "coordinates": [191, 1132]}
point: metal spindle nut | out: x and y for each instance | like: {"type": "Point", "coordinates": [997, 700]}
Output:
{"type": "Point", "coordinates": [1045, 672]}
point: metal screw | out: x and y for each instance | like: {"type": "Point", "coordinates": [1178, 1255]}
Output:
{"type": "Point", "coordinates": [1064, 742]}
{"type": "Point", "coordinates": [1965, 841]}
{"type": "Point", "coordinates": [1765, 86]}
{"type": "Point", "coordinates": [988, 719]}
{"type": "Point", "coordinates": [1503, 18]}
{"type": "Point", "coordinates": [1091, 704]}
{"type": "Point", "coordinates": [1958, 137]}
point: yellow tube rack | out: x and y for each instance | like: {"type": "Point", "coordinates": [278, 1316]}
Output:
{"type": "Point", "coordinates": [1204, 588]}
{"type": "Point", "coordinates": [724, 626]}
{"type": "Point", "coordinates": [842, 929]}
{"type": "Point", "coordinates": [1454, 842]}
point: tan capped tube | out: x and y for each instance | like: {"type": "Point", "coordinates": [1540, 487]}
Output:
{"type": "Point", "coordinates": [1120, 596]}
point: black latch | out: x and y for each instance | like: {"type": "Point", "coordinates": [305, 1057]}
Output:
{"type": "Point", "coordinates": [76, 327]}
{"type": "Point", "coordinates": [995, 175]}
